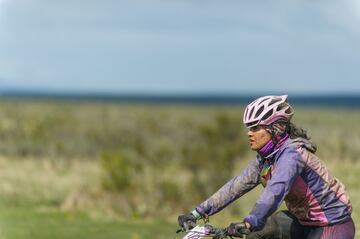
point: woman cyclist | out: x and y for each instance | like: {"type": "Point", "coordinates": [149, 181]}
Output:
{"type": "Point", "coordinates": [286, 165]}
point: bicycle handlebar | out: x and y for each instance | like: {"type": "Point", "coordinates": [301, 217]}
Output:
{"type": "Point", "coordinates": [203, 231]}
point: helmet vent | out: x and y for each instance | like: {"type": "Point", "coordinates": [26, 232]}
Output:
{"type": "Point", "coordinates": [274, 101]}
{"type": "Point", "coordinates": [246, 112]}
{"type": "Point", "coordinates": [251, 112]}
{"type": "Point", "coordinates": [251, 124]}
{"type": "Point", "coordinates": [268, 114]}
{"type": "Point", "coordinates": [266, 98]}
{"type": "Point", "coordinates": [259, 111]}
{"type": "Point", "coordinates": [288, 111]}
{"type": "Point", "coordinates": [281, 106]}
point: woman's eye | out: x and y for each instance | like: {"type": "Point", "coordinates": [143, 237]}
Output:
{"type": "Point", "coordinates": [255, 128]}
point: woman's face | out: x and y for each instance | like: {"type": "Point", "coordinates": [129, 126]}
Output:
{"type": "Point", "coordinates": [258, 137]}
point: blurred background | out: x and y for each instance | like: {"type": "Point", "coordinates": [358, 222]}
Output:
{"type": "Point", "coordinates": [117, 116]}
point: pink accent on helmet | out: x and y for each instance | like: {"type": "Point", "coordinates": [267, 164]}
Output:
{"type": "Point", "coordinates": [266, 110]}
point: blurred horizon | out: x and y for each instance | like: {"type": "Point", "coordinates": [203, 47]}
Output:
{"type": "Point", "coordinates": [9, 89]}
{"type": "Point", "coordinates": [333, 99]}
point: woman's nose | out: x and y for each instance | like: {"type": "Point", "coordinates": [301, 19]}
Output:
{"type": "Point", "coordinates": [249, 133]}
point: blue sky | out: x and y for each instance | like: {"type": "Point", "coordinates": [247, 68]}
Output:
{"type": "Point", "coordinates": [187, 46]}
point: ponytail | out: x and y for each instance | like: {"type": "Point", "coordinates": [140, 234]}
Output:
{"type": "Point", "coordinates": [296, 132]}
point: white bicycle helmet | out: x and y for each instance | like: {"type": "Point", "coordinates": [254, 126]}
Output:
{"type": "Point", "coordinates": [266, 110]}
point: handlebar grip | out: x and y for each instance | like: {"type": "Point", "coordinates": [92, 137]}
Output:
{"type": "Point", "coordinates": [188, 225]}
{"type": "Point", "coordinates": [244, 231]}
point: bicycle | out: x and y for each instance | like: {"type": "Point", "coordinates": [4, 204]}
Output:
{"type": "Point", "coordinates": [194, 231]}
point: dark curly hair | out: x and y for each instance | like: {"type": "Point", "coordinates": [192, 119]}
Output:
{"type": "Point", "coordinates": [283, 126]}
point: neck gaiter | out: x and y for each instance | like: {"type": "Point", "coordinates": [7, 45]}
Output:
{"type": "Point", "coordinates": [270, 147]}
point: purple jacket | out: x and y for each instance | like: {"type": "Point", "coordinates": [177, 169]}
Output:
{"type": "Point", "coordinates": [295, 175]}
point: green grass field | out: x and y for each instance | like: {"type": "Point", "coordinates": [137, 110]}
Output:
{"type": "Point", "coordinates": [24, 223]}
{"type": "Point", "coordinates": [51, 176]}
{"type": "Point", "coordinates": [33, 204]}
{"type": "Point", "coordinates": [24, 216]}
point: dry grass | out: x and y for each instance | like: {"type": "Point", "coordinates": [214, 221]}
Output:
{"type": "Point", "coordinates": [44, 182]}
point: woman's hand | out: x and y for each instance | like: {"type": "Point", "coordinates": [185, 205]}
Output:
{"type": "Point", "coordinates": [184, 220]}
{"type": "Point", "coordinates": [238, 229]}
